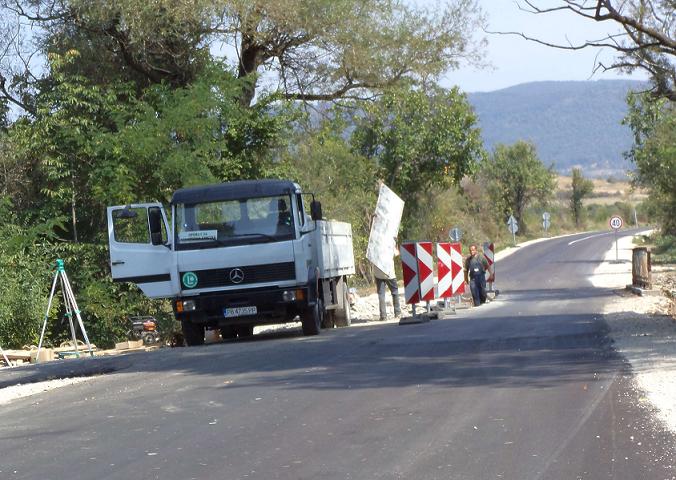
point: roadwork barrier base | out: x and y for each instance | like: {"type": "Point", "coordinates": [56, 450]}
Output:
{"type": "Point", "coordinates": [423, 318]}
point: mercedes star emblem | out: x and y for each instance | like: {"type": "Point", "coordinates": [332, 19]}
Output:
{"type": "Point", "coordinates": [236, 275]}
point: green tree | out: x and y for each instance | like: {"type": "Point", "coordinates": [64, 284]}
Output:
{"type": "Point", "coordinates": [418, 140]}
{"type": "Point", "coordinates": [580, 188]}
{"type": "Point", "coordinates": [654, 154]}
{"type": "Point", "coordinates": [184, 136]}
{"type": "Point", "coordinates": [317, 49]}
{"type": "Point", "coordinates": [89, 146]}
{"type": "Point", "coordinates": [515, 178]}
{"type": "Point", "coordinates": [324, 163]}
{"type": "Point", "coordinates": [58, 144]}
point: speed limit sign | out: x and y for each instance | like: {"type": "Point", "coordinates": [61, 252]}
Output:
{"type": "Point", "coordinates": [616, 222]}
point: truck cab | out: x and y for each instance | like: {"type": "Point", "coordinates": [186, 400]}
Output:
{"type": "Point", "coordinates": [235, 255]}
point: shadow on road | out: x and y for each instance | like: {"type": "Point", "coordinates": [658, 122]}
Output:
{"type": "Point", "coordinates": [537, 351]}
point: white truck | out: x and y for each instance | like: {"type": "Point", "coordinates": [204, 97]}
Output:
{"type": "Point", "coordinates": [235, 255]}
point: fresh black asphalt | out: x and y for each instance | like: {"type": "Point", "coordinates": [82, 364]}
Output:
{"type": "Point", "coordinates": [525, 387]}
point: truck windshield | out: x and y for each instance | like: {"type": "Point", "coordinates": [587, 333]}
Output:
{"type": "Point", "coordinates": [234, 222]}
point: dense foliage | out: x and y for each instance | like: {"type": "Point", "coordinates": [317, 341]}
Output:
{"type": "Point", "coordinates": [89, 146]}
{"type": "Point", "coordinates": [654, 154]}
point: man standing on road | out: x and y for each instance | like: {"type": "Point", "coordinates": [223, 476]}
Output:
{"type": "Point", "coordinates": [475, 274]}
{"type": "Point", "coordinates": [383, 281]}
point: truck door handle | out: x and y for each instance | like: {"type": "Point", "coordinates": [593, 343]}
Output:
{"type": "Point", "coordinates": [117, 262]}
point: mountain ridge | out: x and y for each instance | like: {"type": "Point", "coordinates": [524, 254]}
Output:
{"type": "Point", "coordinates": [572, 123]}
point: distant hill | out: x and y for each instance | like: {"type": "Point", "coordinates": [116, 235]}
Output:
{"type": "Point", "coordinates": [573, 124]}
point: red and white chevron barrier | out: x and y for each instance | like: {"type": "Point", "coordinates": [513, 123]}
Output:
{"type": "Point", "coordinates": [425, 270]}
{"type": "Point", "coordinates": [457, 273]}
{"type": "Point", "coordinates": [445, 279]}
{"type": "Point", "coordinates": [489, 253]}
{"type": "Point", "coordinates": [409, 267]}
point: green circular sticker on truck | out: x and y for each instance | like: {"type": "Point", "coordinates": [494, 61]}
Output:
{"type": "Point", "coordinates": [189, 280]}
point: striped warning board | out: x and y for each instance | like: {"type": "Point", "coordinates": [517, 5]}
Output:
{"type": "Point", "coordinates": [425, 270]}
{"type": "Point", "coordinates": [489, 253]}
{"type": "Point", "coordinates": [445, 281]}
{"type": "Point", "coordinates": [457, 273]}
{"type": "Point", "coordinates": [409, 267]}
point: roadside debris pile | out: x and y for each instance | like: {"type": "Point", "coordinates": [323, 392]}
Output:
{"type": "Point", "coordinates": [664, 278]}
{"type": "Point", "coordinates": [29, 354]}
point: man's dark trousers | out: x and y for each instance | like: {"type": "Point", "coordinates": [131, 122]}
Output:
{"type": "Point", "coordinates": [477, 285]}
{"type": "Point", "coordinates": [391, 284]}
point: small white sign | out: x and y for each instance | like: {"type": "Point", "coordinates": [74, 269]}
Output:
{"type": "Point", "coordinates": [198, 235]}
{"type": "Point", "coordinates": [512, 224]}
{"type": "Point", "coordinates": [616, 222]}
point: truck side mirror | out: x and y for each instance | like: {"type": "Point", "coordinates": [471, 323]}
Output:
{"type": "Point", "coordinates": [316, 210]}
{"type": "Point", "coordinates": [155, 223]}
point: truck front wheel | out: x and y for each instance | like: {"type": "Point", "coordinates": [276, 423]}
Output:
{"type": "Point", "coordinates": [312, 318]}
{"type": "Point", "coordinates": [244, 331]}
{"type": "Point", "coordinates": [193, 333]}
{"type": "Point", "coordinates": [228, 332]}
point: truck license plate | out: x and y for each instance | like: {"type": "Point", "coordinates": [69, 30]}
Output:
{"type": "Point", "coordinates": [239, 311]}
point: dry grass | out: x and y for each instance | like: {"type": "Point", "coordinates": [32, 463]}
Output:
{"type": "Point", "coordinates": [605, 192]}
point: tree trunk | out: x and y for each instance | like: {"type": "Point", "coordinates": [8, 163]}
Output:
{"type": "Point", "coordinates": [251, 57]}
{"type": "Point", "coordinates": [73, 210]}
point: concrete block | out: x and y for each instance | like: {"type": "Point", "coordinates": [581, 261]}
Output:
{"type": "Point", "coordinates": [46, 355]}
{"type": "Point", "coordinates": [129, 344]}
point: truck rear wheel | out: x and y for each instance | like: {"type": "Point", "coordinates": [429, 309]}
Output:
{"type": "Point", "coordinates": [343, 316]}
{"type": "Point", "coordinates": [312, 318]}
{"type": "Point", "coordinates": [193, 333]}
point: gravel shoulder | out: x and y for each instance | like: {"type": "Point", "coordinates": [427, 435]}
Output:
{"type": "Point", "coordinates": [642, 328]}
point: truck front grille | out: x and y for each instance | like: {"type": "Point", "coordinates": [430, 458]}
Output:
{"type": "Point", "coordinates": [223, 277]}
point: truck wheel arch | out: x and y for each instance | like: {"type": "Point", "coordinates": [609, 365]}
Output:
{"type": "Point", "coordinates": [313, 285]}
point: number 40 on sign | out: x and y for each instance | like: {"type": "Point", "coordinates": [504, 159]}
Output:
{"type": "Point", "coordinates": [616, 222]}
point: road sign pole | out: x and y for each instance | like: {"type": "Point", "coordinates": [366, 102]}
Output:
{"type": "Point", "coordinates": [616, 223]}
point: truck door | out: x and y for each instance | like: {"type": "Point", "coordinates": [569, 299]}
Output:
{"type": "Point", "coordinates": [140, 253]}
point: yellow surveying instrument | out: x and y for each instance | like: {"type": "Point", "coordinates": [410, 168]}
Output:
{"type": "Point", "coordinates": [71, 308]}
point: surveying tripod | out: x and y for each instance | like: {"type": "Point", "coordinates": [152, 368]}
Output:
{"type": "Point", "coordinates": [71, 308]}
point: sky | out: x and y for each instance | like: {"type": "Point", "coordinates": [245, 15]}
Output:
{"type": "Point", "coordinates": [515, 60]}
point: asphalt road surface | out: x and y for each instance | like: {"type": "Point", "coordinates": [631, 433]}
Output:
{"type": "Point", "coordinates": [525, 387]}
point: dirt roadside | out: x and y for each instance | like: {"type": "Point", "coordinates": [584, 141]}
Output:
{"type": "Point", "coordinates": [643, 328]}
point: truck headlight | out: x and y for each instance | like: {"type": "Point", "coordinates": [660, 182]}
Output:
{"type": "Point", "coordinates": [185, 306]}
{"type": "Point", "coordinates": [289, 296]}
